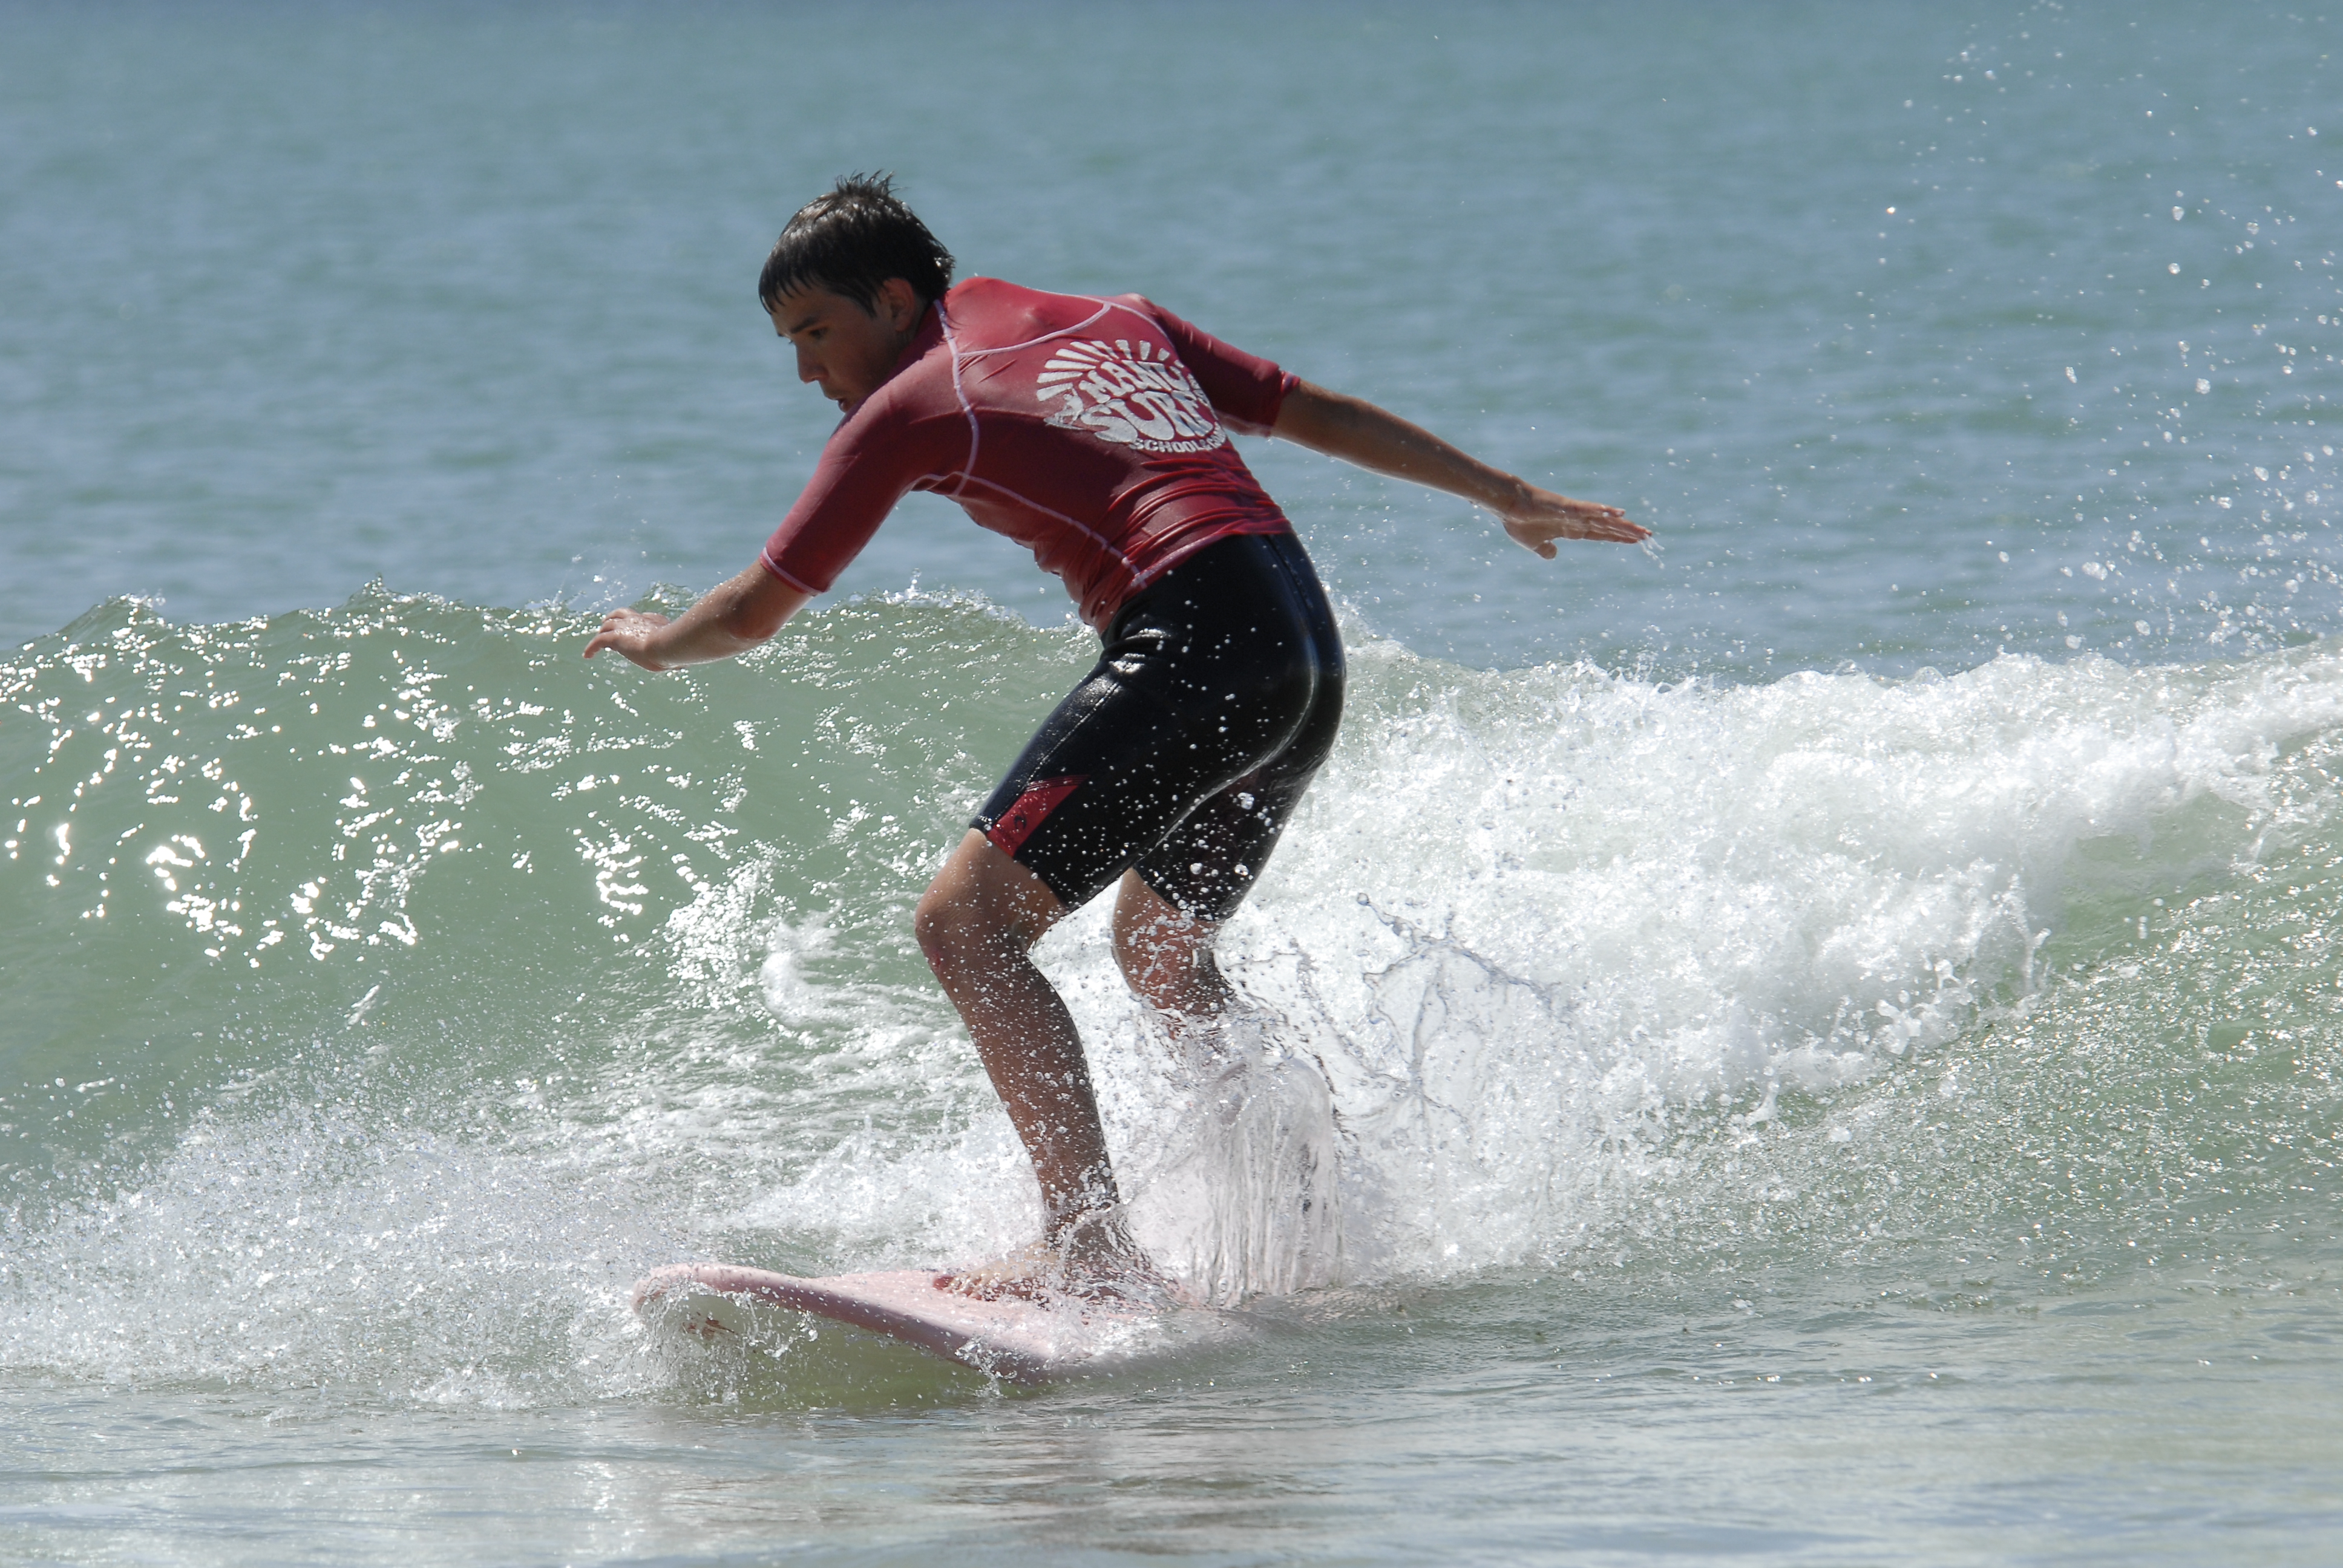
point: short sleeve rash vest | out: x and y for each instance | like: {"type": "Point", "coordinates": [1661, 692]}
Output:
{"type": "Point", "coordinates": [1094, 432]}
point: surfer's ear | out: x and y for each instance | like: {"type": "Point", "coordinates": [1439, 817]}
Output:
{"type": "Point", "coordinates": [899, 305]}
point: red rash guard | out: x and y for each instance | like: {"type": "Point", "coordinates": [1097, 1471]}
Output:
{"type": "Point", "coordinates": [1083, 429]}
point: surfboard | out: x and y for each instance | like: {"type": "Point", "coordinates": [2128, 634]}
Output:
{"type": "Point", "coordinates": [1012, 1338]}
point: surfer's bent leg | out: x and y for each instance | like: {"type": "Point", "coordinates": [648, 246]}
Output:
{"type": "Point", "coordinates": [1177, 759]}
{"type": "Point", "coordinates": [1173, 901]}
{"type": "Point", "coordinates": [1166, 954]}
{"type": "Point", "coordinates": [977, 926]}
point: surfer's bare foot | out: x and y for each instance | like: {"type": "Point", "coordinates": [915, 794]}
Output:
{"type": "Point", "coordinates": [1030, 1271]}
{"type": "Point", "coordinates": [1094, 1259]}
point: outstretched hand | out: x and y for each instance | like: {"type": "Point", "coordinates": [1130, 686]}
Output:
{"type": "Point", "coordinates": [629, 633]}
{"type": "Point", "coordinates": [1542, 516]}
{"type": "Point", "coordinates": [730, 619]}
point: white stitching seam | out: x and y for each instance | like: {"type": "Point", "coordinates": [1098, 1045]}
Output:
{"type": "Point", "coordinates": [951, 346]}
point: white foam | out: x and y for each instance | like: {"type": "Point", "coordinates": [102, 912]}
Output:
{"type": "Point", "coordinates": [1528, 923]}
{"type": "Point", "coordinates": [310, 1247]}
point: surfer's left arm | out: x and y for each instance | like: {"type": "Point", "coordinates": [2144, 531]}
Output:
{"type": "Point", "coordinates": [729, 618]}
{"type": "Point", "coordinates": [1357, 431]}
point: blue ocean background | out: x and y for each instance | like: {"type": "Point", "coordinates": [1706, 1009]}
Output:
{"type": "Point", "coordinates": [1828, 1026]}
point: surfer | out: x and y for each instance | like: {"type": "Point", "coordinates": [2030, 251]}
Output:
{"type": "Point", "coordinates": [1095, 432]}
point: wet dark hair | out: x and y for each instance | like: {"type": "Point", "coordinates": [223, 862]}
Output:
{"type": "Point", "coordinates": [851, 241]}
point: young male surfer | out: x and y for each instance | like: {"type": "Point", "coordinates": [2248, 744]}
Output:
{"type": "Point", "coordinates": [1094, 431]}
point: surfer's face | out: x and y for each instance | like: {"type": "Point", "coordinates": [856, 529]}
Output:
{"type": "Point", "coordinates": [842, 348]}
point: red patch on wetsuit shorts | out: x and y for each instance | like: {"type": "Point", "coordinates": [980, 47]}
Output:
{"type": "Point", "coordinates": [1041, 797]}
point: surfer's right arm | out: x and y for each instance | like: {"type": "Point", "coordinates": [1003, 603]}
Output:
{"type": "Point", "coordinates": [865, 469]}
{"type": "Point", "coordinates": [730, 617]}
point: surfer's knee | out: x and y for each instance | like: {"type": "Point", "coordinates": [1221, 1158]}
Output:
{"type": "Point", "coordinates": [981, 904]}
{"type": "Point", "coordinates": [939, 924]}
{"type": "Point", "coordinates": [952, 927]}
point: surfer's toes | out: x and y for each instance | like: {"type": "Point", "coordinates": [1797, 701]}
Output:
{"type": "Point", "coordinates": [975, 1285]}
{"type": "Point", "coordinates": [1033, 1271]}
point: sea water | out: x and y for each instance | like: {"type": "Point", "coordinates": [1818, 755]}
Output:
{"type": "Point", "coordinates": [1815, 1042]}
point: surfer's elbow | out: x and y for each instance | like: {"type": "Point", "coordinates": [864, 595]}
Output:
{"type": "Point", "coordinates": [750, 625]}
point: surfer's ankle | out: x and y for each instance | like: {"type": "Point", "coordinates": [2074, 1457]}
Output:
{"type": "Point", "coordinates": [1085, 1229]}
{"type": "Point", "coordinates": [1081, 1222]}
{"type": "Point", "coordinates": [1032, 1270]}
{"type": "Point", "coordinates": [1100, 1257]}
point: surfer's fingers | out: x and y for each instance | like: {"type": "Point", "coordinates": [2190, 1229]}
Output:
{"type": "Point", "coordinates": [624, 629]}
{"type": "Point", "coordinates": [609, 637]}
{"type": "Point", "coordinates": [1600, 522]}
{"type": "Point", "coordinates": [1595, 515]}
{"type": "Point", "coordinates": [1545, 509]}
{"type": "Point", "coordinates": [1537, 530]}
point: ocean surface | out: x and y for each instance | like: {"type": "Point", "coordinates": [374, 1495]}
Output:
{"type": "Point", "coordinates": [1828, 1030]}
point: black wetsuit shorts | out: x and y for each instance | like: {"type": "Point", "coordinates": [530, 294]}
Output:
{"type": "Point", "coordinates": [1185, 750]}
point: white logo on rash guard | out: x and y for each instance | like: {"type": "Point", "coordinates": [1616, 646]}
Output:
{"type": "Point", "coordinates": [1132, 394]}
